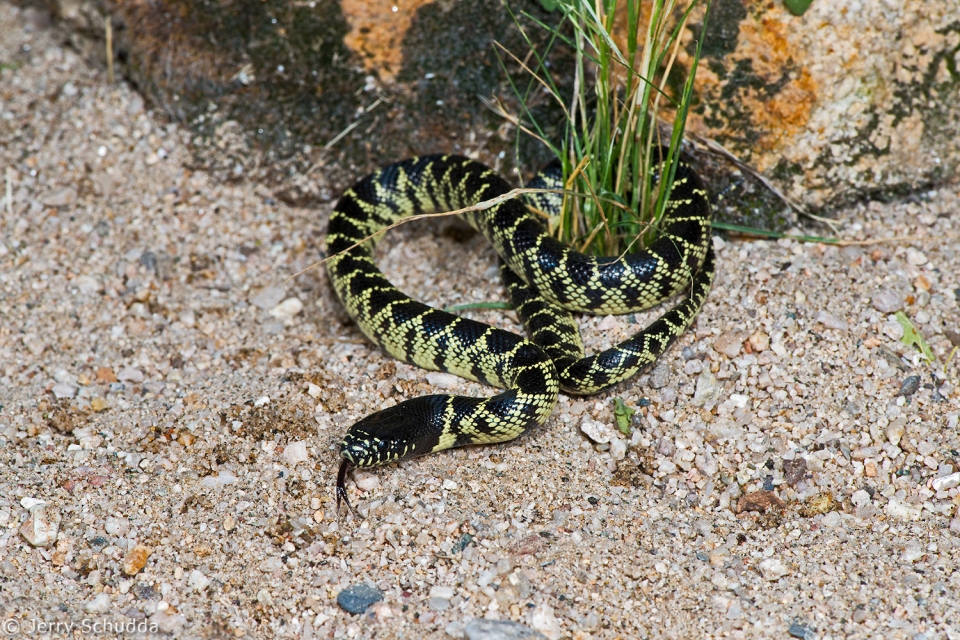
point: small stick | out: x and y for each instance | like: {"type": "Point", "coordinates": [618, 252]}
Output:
{"type": "Point", "coordinates": [109, 26]}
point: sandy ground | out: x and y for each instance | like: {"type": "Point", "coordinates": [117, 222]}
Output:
{"type": "Point", "coordinates": [170, 406]}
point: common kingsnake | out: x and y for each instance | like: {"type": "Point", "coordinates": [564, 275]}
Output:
{"type": "Point", "coordinates": [546, 280]}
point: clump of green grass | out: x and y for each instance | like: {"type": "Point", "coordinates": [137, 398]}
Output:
{"type": "Point", "coordinates": [609, 149]}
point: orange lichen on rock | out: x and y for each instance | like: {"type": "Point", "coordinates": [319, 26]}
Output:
{"type": "Point", "coordinates": [377, 29]}
{"type": "Point", "coordinates": [780, 108]}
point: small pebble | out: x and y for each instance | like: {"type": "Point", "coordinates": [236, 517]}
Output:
{"type": "Point", "coordinates": [443, 380]}
{"type": "Point", "coordinates": [903, 511]}
{"type": "Point", "coordinates": [136, 559]}
{"type": "Point", "coordinates": [944, 483]}
{"type": "Point", "coordinates": [266, 298]}
{"type": "Point", "coordinates": [438, 604]}
{"type": "Point", "coordinates": [708, 390]}
{"type": "Point", "coordinates": [660, 376]}
{"type": "Point", "coordinates": [61, 197]}
{"type": "Point", "coordinates": [295, 453]}
{"type": "Point", "coordinates": [42, 526]}
{"type": "Point", "coordinates": [63, 390]}
{"type": "Point", "coordinates": [802, 631]}
{"type": "Point", "coordinates": [442, 591]}
{"type": "Point", "coordinates": [358, 598]}
{"type": "Point", "coordinates": [759, 341]}
{"type": "Point", "coordinates": [596, 431]}
{"type": "Point", "coordinates": [367, 481]}
{"type": "Point", "coordinates": [197, 581]}
{"type": "Point", "coordinates": [129, 374]}
{"type": "Point", "coordinates": [730, 343]}
{"type": "Point", "coordinates": [916, 257]}
{"type": "Point", "coordinates": [894, 433]}
{"type": "Point", "coordinates": [286, 309]}
{"type": "Point", "coordinates": [831, 321]}
{"type": "Point", "coordinates": [830, 519]}
{"type": "Point", "coordinates": [910, 386]}
{"type": "Point", "coordinates": [483, 629]}
{"type": "Point", "coordinates": [100, 604]}
{"type": "Point", "coordinates": [773, 569]}
{"type": "Point", "coordinates": [886, 301]}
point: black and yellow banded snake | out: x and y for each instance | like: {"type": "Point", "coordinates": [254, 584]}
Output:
{"type": "Point", "coordinates": [546, 280]}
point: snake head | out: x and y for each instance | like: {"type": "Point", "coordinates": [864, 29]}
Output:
{"type": "Point", "coordinates": [405, 430]}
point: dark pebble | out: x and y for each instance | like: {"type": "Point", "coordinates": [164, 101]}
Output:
{"type": "Point", "coordinates": [358, 598]}
{"type": "Point", "coordinates": [462, 543]}
{"type": "Point", "coordinates": [910, 386]}
{"type": "Point", "coordinates": [144, 591]}
{"type": "Point", "coordinates": [800, 630]}
{"type": "Point", "coordinates": [794, 470]}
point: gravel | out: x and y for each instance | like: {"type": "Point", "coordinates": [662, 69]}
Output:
{"type": "Point", "coordinates": [190, 475]}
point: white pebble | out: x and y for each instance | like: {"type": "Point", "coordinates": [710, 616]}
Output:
{"type": "Point", "coordinates": [63, 390]}
{"type": "Point", "coordinates": [946, 482]}
{"type": "Point", "coordinates": [129, 374]}
{"type": "Point", "coordinates": [296, 452]}
{"type": "Point", "coordinates": [831, 321]}
{"type": "Point", "coordinates": [860, 498]}
{"type": "Point", "coordinates": [618, 449]}
{"type": "Point", "coordinates": [443, 380]}
{"type": "Point", "coordinates": [42, 527]}
{"type": "Point", "coordinates": [367, 481]}
{"type": "Point", "coordinates": [886, 301]}
{"type": "Point", "coordinates": [440, 591]}
{"type": "Point", "coordinates": [773, 569]}
{"type": "Point", "coordinates": [916, 257]}
{"type": "Point", "coordinates": [262, 400]}
{"type": "Point", "coordinates": [596, 431]}
{"type": "Point", "coordinates": [831, 519]}
{"type": "Point", "coordinates": [197, 581]}
{"type": "Point", "coordinates": [100, 604]}
{"type": "Point", "coordinates": [608, 323]}
{"type": "Point", "coordinates": [449, 485]}
{"type": "Point", "coordinates": [902, 510]}
{"type": "Point", "coordinates": [287, 309]}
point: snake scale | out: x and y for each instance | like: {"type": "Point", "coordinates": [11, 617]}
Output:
{"type": "Point", "coordinates": [546, 281]}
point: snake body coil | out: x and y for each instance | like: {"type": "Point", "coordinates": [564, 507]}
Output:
{"type": "Point", "coordinates": [546, 280]}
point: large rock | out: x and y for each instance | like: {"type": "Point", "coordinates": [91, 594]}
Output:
{"type": "Point", "coordinates": [834, 105]}
{"type": "Point", "coordinates": [839, 103]}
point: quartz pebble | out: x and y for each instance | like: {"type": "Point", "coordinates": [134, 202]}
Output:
{"type": "Point", "coordinates": [42, 526]}
{"type": "Point", "coordinates": [708, 389]}
{"type": "Point", "coordinates": [99, 605]}
{"type": "Point", "coordinates": [886, 301]}
{"type": "Point", "coordinates": [831, 321]}
{"type": "Point", "coordinates": [482, 629]}
{"type": "Point", "coordinates": [442, 380]}
{"type": "Point", "coordinates": [197, 581]}
{"type": "Point", "coordinates": [287, 309]}
{"type": "Point", "coordinates": [660, 376]}
{"type": "Point", "coordinates": [596, 431]}
{"type": "Point", "coordinates": [295, 453]}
